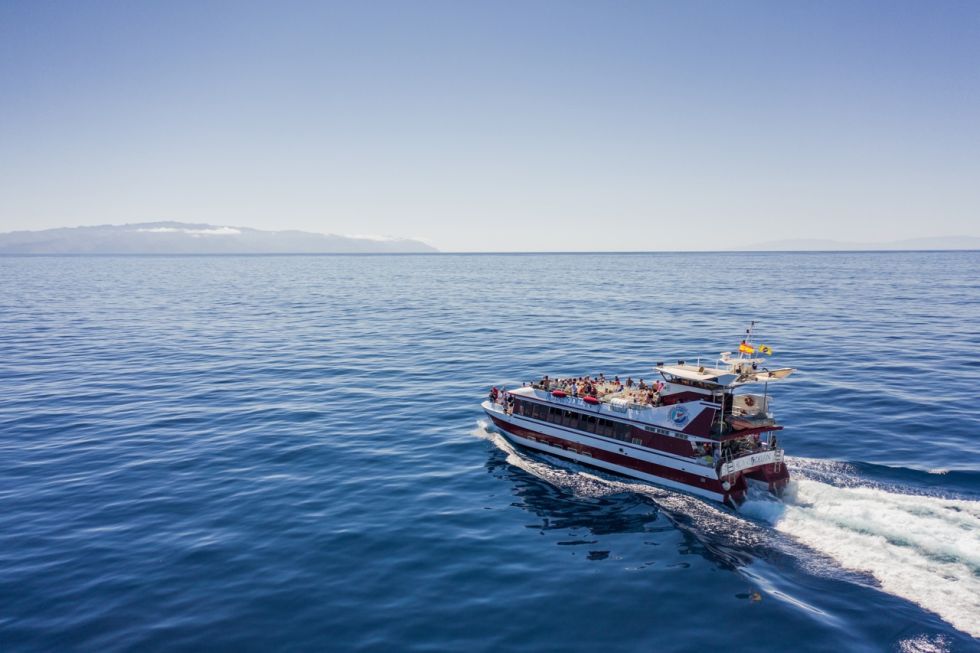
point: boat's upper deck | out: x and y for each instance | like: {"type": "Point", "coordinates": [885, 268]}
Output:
{"type": "Point", "coordinates": [696, 400]}
{"type": "Point", "coordinates": [694, 419]}
{"type": "Point", "coordinates": [622, 406]}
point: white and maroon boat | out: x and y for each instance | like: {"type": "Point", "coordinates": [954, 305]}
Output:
{"type": "Point", "coordinates": [692, 431]}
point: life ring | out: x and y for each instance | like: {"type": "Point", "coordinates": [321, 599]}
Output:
{"type": "Point", "coordinates": [749, 401]}
{"type": "Point", "coordinates": [559, 393]}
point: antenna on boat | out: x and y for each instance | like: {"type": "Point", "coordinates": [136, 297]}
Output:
{"type": "Point", "coordinates": [747, 340]}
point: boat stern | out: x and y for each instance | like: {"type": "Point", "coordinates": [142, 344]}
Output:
{"type": "Point", "coordinates": [775, 476]}
{"type": "Point", "coordinates": [765, 467]}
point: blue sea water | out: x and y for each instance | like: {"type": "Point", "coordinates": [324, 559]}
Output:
{"type": "Point", "coordinates": [287, 453]}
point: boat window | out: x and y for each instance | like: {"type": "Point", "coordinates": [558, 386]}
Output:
{"type": "Point", "coordinates": [588, 423]}
{"type": "Point", "coordinates": [605, 427]}
{"type": "Point", "coordinates": [621, 431]}
{"type": "Point", "coordinates": [571, 418]}
{"type": "Point", "coordinates": [540, 411]}
{"type": "Point", "coordinates": [554, 415]}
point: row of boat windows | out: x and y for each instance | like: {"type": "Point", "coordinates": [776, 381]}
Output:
{"type": "Point", "coordinates": [575, 420]}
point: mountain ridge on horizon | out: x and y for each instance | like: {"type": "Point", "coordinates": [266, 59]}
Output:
{"type": "Point", "coordinates": [172, 237]}
{"type": "Point", "coordinates": [938, 243]}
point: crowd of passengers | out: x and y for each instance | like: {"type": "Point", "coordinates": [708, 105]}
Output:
{"type": "Point", "coordinates": [503, 398]}
{"type": "Point", "coordinates": [599, 387]}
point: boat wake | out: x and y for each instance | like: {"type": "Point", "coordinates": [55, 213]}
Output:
{"type": "Point", "coordinates": [722, 531]}
{"type": "Point", "coordinates": [924, 548]}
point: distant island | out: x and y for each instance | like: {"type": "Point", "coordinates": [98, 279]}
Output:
{"type": "Point", "coordinates": [199, 238]}
{"type": "Point", "coordinates": [184, 238]}
{"type": "Point", "coordinates": [818, 245]}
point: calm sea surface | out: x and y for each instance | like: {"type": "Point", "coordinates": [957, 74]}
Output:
{"type": "Point", "coordinates": [287, 453]}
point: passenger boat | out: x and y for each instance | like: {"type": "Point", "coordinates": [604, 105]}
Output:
{"type": "Point", "coordinates": [695, 430]}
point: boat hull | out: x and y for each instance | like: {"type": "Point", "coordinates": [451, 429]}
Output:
{"type": "Point", "coordinates": [661, 469]}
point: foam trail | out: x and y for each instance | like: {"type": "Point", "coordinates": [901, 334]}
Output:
{"type": "Point", "coordinates": [923, 548]}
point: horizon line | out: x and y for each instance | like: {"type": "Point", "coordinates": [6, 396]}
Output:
{"type": "Point", "coordinates": [483, 253]}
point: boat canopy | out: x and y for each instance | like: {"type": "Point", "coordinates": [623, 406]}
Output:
{"type": "Point", "coordinates": [736, 372]}
{"type": "Point", "coordinates": [707, 375]}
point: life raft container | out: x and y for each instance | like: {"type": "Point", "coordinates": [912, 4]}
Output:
{"type": "Point", "coordinates": [620, 405]}
{"type": "Point", "coordinates": [589, 399]}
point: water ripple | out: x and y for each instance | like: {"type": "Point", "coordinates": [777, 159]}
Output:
{"type": "Point", "coordinates": [258, 453]}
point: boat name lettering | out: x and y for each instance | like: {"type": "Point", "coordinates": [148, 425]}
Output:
{"type": "Point", "coordinates": [762, 458]}
{"type": "Point", "coordinates": [673, 434]}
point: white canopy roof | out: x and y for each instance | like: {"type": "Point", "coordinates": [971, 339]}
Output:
{"type": "Point", "coordinates": [738, 372]}
{"type": "Point", "coordinates": [710, 375]}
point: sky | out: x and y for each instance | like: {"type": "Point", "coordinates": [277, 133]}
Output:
{"type": "Point", "coordinates": [497, 126]}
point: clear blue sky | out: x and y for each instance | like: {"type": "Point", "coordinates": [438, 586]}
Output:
{"type": "Point", "coordinates": [498, 125]}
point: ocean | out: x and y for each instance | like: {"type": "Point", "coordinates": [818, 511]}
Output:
{"type": "Point", "coordinates": [287, 453]}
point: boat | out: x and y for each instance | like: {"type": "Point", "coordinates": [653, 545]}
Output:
{"type": "Point", "coordinates": [697, 429]}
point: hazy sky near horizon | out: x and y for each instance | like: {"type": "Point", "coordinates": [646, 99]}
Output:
{"type": "Point", "coordinates": [499, 125]}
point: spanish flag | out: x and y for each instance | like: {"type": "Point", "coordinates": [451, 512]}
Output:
{"type": "Point", "coordinates": [746, 349]}
{"type": "Point", "coordinates": [764, 349]}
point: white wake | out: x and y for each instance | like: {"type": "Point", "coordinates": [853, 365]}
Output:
{"type": "Point", "coordinates": [925, 549]}
{"type": "Point", "coordinates": [922, 548]}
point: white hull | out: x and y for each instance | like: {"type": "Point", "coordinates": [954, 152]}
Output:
{"type": "Point", "coordinates": [705, 473]}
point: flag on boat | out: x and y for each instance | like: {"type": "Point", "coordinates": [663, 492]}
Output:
{"type": "Point", "coordinates": [765, 349]}
{"type": "Point", "coordinates": [746, 349]}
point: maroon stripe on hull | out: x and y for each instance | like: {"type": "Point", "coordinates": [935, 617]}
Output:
{"type": "Point", "coordinates": [653, 469]}
{"type": "Point", "coordinates": [701, 425]}
{"type": "Point", "coordinates": [658, 442]}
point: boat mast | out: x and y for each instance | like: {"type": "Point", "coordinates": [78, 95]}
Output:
{"type": "Point", "coordinates": [741, 356]}
{"type": "Point", "coordinates": [747, 340]}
